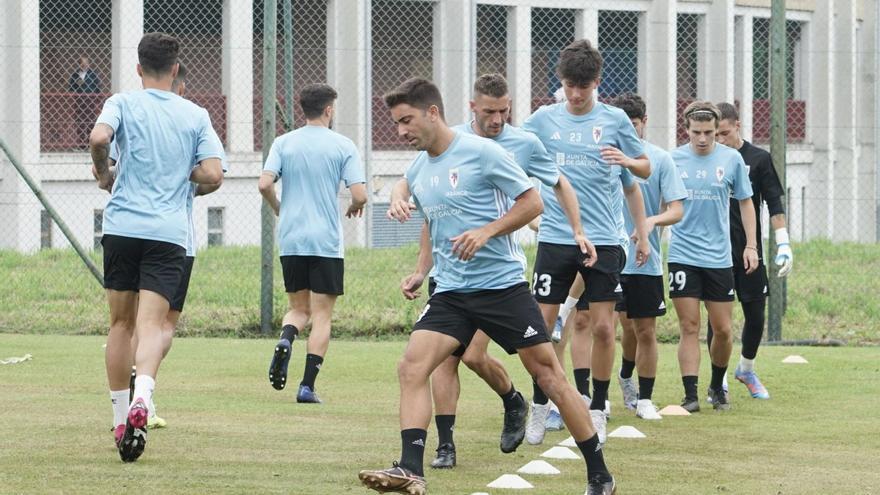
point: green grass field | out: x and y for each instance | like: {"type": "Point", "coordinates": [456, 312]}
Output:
{"type": "Point", "coordinates": [832, 294]}
{"type": "Point", "coordinates": [230, 432]}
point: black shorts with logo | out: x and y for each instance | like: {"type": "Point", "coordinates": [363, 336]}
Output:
{"type": "Point", "coordinates": [132, 264]}
{"type": "Point", "coordinates": [510, 316]}
{"type": "Point", "coordinates": [706, 284]}
{"type": "Point", "coordinates": [318, 274]}
{"type": "Point", "coordinates": [180, 294]}
{"type": "Point", "coordinates": [642, 296]}
{"type": "Point", "coordinates": [557, 265]}
{"type": "Point", "coordinates": [753, 286]}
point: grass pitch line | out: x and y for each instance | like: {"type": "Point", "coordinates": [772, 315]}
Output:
{"type": "Point", "coordinates": [560, 453]}
{"type": "Point", "coordinates": [510, 481]}
{"type": "Point", "coordinates": [795, 359]}
{"type": "Point", "coordinates": [627, 432]}
{"type": "Point", "coordinates": [538, 467]}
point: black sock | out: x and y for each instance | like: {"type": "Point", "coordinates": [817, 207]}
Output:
{"type": "Point", "coordinates": [289, 333]}
{"type": "Point", "coordinates": [753, 327]}
{"type": "Point", "coordinates": [690, 387]}
{"type": "Point", "coordinates": [538, 395]}
{"type": "Point", "coordinates": [412, 455]}
{"type": "Point", "coordinates": [592, 452]}
{"type": "Point", "coordinates": [717, 382]}
{"type": "Point", "coordinates": [600, 394]}
{"type": "Point", "coordinates": [445, 425]}
{"type": "Point", "coordinates": [313, 366]}
{"type": "Point", "coordinates": [511, 399]}
{"type": "Point", "coordinates": [131, 384]}
{"type": "Point", "coordinates": [582, 381]}
{"type": "Point", "coordinates": [646, 387]}
{"type": "Point", "coordinates": [626, 368]}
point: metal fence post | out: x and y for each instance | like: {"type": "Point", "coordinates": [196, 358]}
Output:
{"type": "Point", "coordinates": [287, 17]}
{"type": "Point", "coordinates": [778, 95]}
{"type": "Point", "coordinates": [267, 216]}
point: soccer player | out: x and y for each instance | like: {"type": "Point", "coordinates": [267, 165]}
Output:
{"type": "Point", "coordinates": [596, 148]}
{"type": "Point", "coordinates": [752, 289]}
{"type": "Point", "coordinates": [700, 263]}
{"type": "Point", "coordinates": [643, 297]}
{"type": "Point", "coordinates": [178, 86]}
{"type": "Point", "coordinates": [311, 161]}
{"type": "Point", "coordinates": [164, 143]}
{"type": "Point", "coordinates": [491, 108]}
{"type": "Point", "coordinates": [474, 197]}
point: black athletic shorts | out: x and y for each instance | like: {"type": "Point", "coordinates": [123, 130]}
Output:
{"type": "Point", "coordinates": [132, 264]}
{"type": "Point", "coordinates": [180, 294]}
{"type": "Point", "coordinates": [557, 265]}
{"type": "Point", "coordinates": [432, 286]}
{"type": "Point", "coordinates": [751, 287]}
{"type": "Point", "coordinates": [315, 273]}
{"type": "Point", "coordinates": [642, 296]}
{"type": "Point", "coordinates": [706, 284]}
{"type": "Point", "coordinates": [510, 316]}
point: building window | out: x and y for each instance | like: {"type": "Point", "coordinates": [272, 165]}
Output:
{"type": "Point", "coordinates": [45, 230]}
{"type": "Point", "coordinates": [215, 226]}
{"type": "Point", "coordinates": [98, 223]}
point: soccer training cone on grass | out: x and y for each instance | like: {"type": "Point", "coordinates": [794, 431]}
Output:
{"type": "Point", "coordinates": [510, 481]}
{"type": "Point", "coordinates": [538, 467]}
{"type": "Point", "coordinates": [560, 453]}
{"type": "Point", "coordinates": [626, 432]}
{"type": "Point", "coordinates": [794, 359]}
{"type": "Point", "coordinates": [568, 442]}
{"type": "Point", "coordinates": [674, 410]}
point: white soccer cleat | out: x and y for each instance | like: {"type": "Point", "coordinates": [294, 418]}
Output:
{"type": "Point", "coordinates": [535, 428]}
{"type": "Point", "coordinates": [646, 409]}
{"type": "Point", "coordinates": [599, 423]}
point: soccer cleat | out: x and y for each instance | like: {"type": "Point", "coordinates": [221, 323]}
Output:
{"type": "Point", "coordinates": [607, 409]}
{"type": "Point", "coordinates": [630, 392]}
{"type": "Point", "coordinates": [554, 421]}
{"type": "Point", "coordinates": [556, 336]}
{"type": "Point", "coordinates": [397, 479]}
{"type": "Point", "coordinates": [514, 426]}
{"type": "Point", "coordinates": [535, 428]}
{"type": "Point", "coordinates": [278, 366]}
{"type": "Point", "coordinates": [305, 395]}
{"type": "Point", "coordinates": [154, 421]}
{"type": "Point", "coordinates": [130, 441]}
{"type": "Point", "coordinates": [138, 413]}
{"type": "Point", "coordinates": [690, 405]}
{"type": "Point", "coordinates": [445, 458]}
{"type": "Point", "coordinates": [710, 398]}
{"type": "Point", "coordinates": [600, 422]}
{"type": "Point", "coordinates": [598, 486]}
{"type": "Point", "coordinates": [751, 381]}
{"type": "Point", "coordinates": [646, 409]}
{"type": "Point", "coordinates": [720, 401]}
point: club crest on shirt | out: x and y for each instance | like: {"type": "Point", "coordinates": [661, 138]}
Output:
{"type": "Point", "coordinates": [719, 173]}
{"type": "Point", "coordinates": [597, 134]}
{"type": "Point", "coordinates": [453, 177]}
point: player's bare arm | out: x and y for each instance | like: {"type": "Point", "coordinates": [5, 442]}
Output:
{"type": "Point", "coordinates": [527, 206]}
{"type": "Point", "coordinates": [400, 208]}
{"type": "Point", "coordinates": [569, 203]}
{"type": "Point", "coordinates": [750, 254]}
{"type": "Point", "coordinates": [358, 201]}
{"type": "Point", "coordinates": [267, 190]}
{"type": "Point", "coordinates": [640, 166]}
{"type": "Point", "coordinates": [209, 171]}
{"type": "Point", "coordinates": [99, 143]}
{"type": "Point", "coordinates": [636, 204]}
{"type": "Point", "coordinates": [410, 284]}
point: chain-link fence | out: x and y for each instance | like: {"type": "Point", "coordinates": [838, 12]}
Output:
{"type": "Point", "coordinates": [67, 56]}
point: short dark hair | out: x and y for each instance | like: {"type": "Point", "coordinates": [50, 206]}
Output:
{"type": "Point", "coordinates": [494, 85]}
{"type": "Point", "coordinates": [580, 63]}
{"type": "Point", "coordinates": [314, 98]}
{"type": "Point", "coordinates": [181, 76]}
{"type": "Point", "coordinates": [632, 104]}
{"type": "Point", "coordinates": [701, 111]}
{"type": "Point", "coordinates": [417, 92]}
{"type": "Point", "coordinates": [728, 111]}
{"type": "Point", "coordinates": [157, 53]}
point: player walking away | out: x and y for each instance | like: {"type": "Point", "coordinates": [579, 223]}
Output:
{"type": "Point", "coordinates": [474, 197]}
{"type": "Point", "coordinates": [178, 86]}
{"type": "Point", "coordinates": [311, 161]}
{"type": "Point", "coordinates": [164, 143]}
{"type": "Point", "coordinates": [491, 108]}
{"type": "Point", "coordinates": [700, 263]}
{"type": "Point", "coordinates": [643, 297]}
{"type": "Point", "coordinates": [752, 289]}
{"type": "Point", "coordinates": [596, 148]}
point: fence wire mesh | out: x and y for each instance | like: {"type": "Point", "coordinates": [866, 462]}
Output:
{"type": "Point", "coordinates": [84, 54]}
